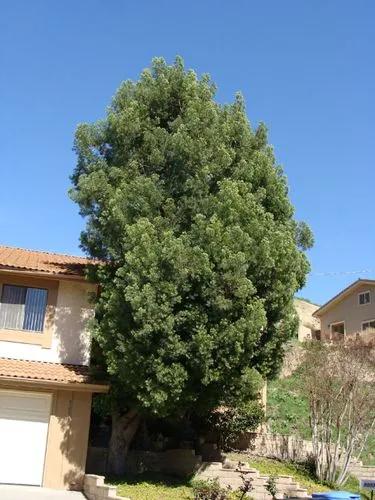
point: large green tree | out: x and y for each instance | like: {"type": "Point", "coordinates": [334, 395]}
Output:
{"type": "Point", "coordinates": [187, 206]}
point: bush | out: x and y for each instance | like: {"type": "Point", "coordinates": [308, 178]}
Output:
{"type": "Point", "coordinates": [230, 423]}
{"type": "Point", "coordinates": [209, 490]}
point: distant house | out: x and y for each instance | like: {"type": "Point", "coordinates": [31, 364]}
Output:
{"type": "Point", "coordinates": [309, 325]}
{"type": "Point", "coordinates": [45, 384]}
{"type": "Point", "coordinates": [350, 313]}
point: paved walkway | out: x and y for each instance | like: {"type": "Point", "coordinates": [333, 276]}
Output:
{"type": "Point", "coordinates": [8, 492]}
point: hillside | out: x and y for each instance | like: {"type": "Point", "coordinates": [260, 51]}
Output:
{"type": "Point", "coordinates": [288, 412]}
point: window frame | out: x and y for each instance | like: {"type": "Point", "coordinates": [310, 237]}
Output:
{"type": "Point", "coordinates": [337, 323]}
{"type": "Point", "coordinates": [363, 293]}
{"type": "Point", "coordinates": [26, 288]}
{"type": "Point", "coordinates": [366, 321]}
{"type": "Point", "coordinates": [42, 338]}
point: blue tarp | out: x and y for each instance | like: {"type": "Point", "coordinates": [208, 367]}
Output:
{"type": "Point", "coordinates": [336, 495]}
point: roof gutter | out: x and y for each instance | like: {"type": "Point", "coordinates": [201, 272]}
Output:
{"type": "Point", "coordinates": [54, 384]}
{"type": "Point", "coordinates": [43, 274]}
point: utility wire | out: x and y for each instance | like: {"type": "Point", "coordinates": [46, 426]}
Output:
{"type": "Point", "coordinates": [343, 273]}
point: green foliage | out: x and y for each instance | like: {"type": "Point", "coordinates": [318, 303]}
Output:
{"type": "Point", "coordinates": [156, 486]}
{"type": "Point", "coordinates": [230, 422]}
{"type": "Point", "coordinates": [288, 412]}
{"type": "Point", "coordinates": [153, 486]}
{"type": "Point", "coordinates": [209, 490]}
{"type": "Point", "coordinates": [188, 207]}
{"type": "Point", "coordinates": [306, 300]}
{"type": "Point", "coordinates": [288, 407]}
{"type": "Point", "coordinates": [271, 486]}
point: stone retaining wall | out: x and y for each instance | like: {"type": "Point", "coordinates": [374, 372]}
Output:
{"type": "Point", "coordinates": [275, 446]}
{"type": "Point", "coordinates": [362, 471]}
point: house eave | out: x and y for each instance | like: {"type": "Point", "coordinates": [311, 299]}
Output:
{"type": "Point", "coordinates": [42, 274]}
{"type": "Point", "coordinates": [31, 383]}
{"type": "Point", "coordinates": [342, 295]}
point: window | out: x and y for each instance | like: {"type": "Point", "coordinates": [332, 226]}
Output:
{"type": "Point", "coordinates": [22, 308]}
{"type": "Point", "coordinates": [364, 298]}
{"type": "Point", "coordinates": [338, 328]}
{"type": "Point", "coordinates": [368, 325]}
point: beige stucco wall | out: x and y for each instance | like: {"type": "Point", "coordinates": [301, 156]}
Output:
{"type": "Point", "coordinates": [70, 337]}
{"type": "Point", "coordinates": [67, 440]}
{"type": "Point", "coordinates": [350, 311]}
{"type": "Point", "coordinates": [307, 323]}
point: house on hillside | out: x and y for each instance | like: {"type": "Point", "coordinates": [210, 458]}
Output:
{"type": "Point", "coordinates": [309, 325]}
{"type": "Point", "coordinates": [350, 313]}
{"type": "Point", "coordinates": [45, 386]}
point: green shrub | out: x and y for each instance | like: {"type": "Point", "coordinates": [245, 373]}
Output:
{"type": "Point", "coordinates": [230, 423]}
{"type": "Point", "coordinates": [209, 490]}
{"type": "Point", "coordinates": [271, 485]}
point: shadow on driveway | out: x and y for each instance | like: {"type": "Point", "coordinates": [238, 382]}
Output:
{"type": "Point", "coordinates": [11, 492]}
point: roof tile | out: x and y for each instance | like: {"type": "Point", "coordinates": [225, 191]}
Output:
{"type": "Point", "coordinates": [39, 370]}
{"type": "Point", "coordinates": [44, 262]}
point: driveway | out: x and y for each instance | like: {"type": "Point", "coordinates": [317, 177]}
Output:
{"type": "Point", "coordinates": [8, 492]}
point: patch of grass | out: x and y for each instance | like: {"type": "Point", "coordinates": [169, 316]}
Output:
{"type": "Point", "coordinates": [287, 407]}
{"type": "Point", "coordinates": [153, 486]}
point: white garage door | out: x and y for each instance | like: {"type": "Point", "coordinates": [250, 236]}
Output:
{"type": "Point", "coordinates": [24, 420]}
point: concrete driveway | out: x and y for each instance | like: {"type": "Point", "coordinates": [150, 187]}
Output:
{"type": "Point", "coordinates": [10, 492]}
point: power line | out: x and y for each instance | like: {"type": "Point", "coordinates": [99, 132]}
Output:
{"type": "Point", "coordinates": [342, 273]}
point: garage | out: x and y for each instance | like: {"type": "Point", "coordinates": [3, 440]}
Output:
{"type": "Point", "coordinates": [24, 418]}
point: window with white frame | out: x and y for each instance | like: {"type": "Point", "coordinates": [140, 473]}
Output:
{"type": "Point", "coordinates": [364, 298]}
{"type": "Point", "coordinates": [22, 308]}
{"type": "Point", "coordinates": [368, 325]}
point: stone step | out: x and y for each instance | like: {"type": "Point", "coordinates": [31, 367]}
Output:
{"type": "Point", "coordinates": [285, 480]}
{"type": "Point", "coordinates": [259, 495]}
{"type": "Point", "coordinates": [285, 484]}
{"type": "Point", "coordinates": [298, 493]}
{"type": "Point", "coordinates": [212, 465]}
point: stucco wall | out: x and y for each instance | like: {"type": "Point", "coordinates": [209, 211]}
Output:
{"type": "Point", "coordinates": [67, 440]}
{"type": "Point", "coordinates": [307, 323]}
{"type": "Point", "coordinates": [350, 311]}
{"type": "Point", "coordinates": [70, 337]}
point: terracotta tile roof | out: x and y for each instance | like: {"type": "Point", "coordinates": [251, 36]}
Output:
{"type": "Point", "coordinates": [44, 262]}
{"type": "Point", "coordinates": [38, 370]}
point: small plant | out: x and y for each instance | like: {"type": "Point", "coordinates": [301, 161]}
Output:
{"type": "Point", "coordinates": [247, 482]}
{"type": "Point", "coordinates": [209, 490]}
{"type": "Point", "coordinates": [271, 486]}
{"type": "Point", "coordinates": [247, 486]}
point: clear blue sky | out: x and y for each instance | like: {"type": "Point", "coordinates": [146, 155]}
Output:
{"type": "Point", "coordinates": [305, 67]}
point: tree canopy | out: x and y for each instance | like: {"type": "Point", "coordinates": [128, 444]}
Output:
{"type": "Point", "coordinates": [186, 204]}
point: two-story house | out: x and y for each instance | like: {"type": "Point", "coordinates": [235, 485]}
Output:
{"type": "Point", "coordinates": [45, 386]}
{"type": "Point", "coordinates": [350, 313]}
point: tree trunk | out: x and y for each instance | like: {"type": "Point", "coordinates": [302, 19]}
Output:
{"type": "Point", "coordinates": [124, 428]}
